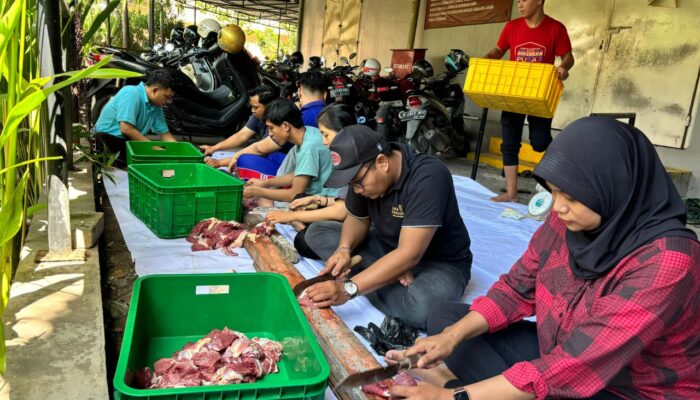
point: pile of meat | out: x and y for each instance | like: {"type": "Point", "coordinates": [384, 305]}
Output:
{"type": "Point", "coordinates": [222, 357]}
{"type": "Point", "coordinates": [382, 388]}
{"type": "Point", "coordinates": [214, 233]}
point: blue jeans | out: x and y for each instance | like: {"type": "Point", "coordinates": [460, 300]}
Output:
{"type": "Point", "coordinates": [435, 281]}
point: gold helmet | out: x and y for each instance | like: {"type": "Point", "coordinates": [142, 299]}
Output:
{"type": "Point", "coordinates": [231, 39]}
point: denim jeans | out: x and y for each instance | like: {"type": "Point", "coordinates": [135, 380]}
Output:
{"type": "Point", "coordinates": [435, 281]}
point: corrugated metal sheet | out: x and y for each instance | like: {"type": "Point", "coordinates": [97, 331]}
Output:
{"type": "Point", "coordinates": [286, 11]}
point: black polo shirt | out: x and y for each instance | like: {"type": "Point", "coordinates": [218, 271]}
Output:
{"type": "Point", "coordinates": [424, 196]}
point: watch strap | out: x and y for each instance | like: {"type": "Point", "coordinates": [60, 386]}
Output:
{"type": "Point", "coordinates": [460, 394]}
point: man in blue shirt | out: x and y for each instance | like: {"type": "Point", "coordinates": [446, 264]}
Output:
{"type": "Point", "coordinates": [134, 112]}
{"type": "Point", "coordinates": [285, 125]}
{"type": "Point", "coordinates": [311, 92]}
{"type": "Point", "coordinates": [261, 160]}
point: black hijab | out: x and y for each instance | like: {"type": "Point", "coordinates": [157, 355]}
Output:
{"type": "Point", "coordinates": [613, 169]}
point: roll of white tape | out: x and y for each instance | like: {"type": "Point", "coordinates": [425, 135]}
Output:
{"type": "Point", "coordinates": [540, 204]}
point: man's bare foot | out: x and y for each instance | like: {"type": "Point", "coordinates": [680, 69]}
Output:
{"type": "Point", "coordinates": [505, 197]}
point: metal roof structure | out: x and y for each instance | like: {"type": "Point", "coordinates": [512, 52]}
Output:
{"type": "Point", "coordinates": [286, 11]}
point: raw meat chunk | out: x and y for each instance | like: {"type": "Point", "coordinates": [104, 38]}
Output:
{"type": "Point", "coordinates": [220, 358]}
{"type": "Point", "coordinates": [213, 233]}
{"type": "Point", "coordinates": [382, 388]}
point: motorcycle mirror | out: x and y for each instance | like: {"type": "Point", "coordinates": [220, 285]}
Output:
{"type": "Point", "coordinates": [352, 55]}
{"type": "Point", "coordinates": [169, 47]}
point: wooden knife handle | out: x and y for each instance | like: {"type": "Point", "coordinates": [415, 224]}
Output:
{"type": "Point", "coordinates": [354, 260]}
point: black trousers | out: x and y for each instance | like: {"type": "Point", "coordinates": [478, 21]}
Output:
{"type": "Point", "coordinates": [106, 143]}
{"type": "Point", "coordinates": [490, 354]}
{"type": "Point", "coordinates": [512, 131]}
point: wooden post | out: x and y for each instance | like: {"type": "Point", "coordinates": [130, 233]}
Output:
{"type": "Point", "coordinates": [344, 352]}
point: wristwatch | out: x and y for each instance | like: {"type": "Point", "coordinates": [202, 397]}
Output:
{"type": "Point", "coordinates": [460, 394]}
{"type": "Point", "coordinates": [350, 288]}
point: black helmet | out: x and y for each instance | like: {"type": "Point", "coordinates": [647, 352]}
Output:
{"type": "Point", "coordinates": [296, 58]}
{"type": "Point", "coordinates": [176, 35]}
{"type": "Point", "coordinates": [315, 62]}
{"type": "Point", "coordinates": [456, 60]}
{"type": "Point", "coordinates": [190, 35]}
{"type": "Point", "coordinates": [423, 69]}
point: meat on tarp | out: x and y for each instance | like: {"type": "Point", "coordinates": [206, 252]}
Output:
{"type": "Point", "coordinates": [213, 233]}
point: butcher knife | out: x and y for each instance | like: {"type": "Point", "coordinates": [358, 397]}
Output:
{"type": "Point", "coordinates": [303, 285]}
{"type": "Point", "coordinates": [378, 374]}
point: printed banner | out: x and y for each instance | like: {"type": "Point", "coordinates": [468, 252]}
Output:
{"type": "Point", "coordinates": [444, 13]}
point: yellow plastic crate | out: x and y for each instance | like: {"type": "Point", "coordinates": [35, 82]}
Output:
{"type": "Point", "coordinates": [521, 87]}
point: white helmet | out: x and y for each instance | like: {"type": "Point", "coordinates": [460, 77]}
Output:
{"type": "Point", "coordinates": [207, 26]}
{"type": "Point", "coordinates": [371, 67]}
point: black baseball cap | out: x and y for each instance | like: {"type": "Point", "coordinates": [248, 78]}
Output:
{"type": "Point", "coordinates": [354, 146]}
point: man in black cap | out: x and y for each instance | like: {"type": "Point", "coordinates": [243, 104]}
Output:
{"type": "Point", "coordinates": [404, 221]}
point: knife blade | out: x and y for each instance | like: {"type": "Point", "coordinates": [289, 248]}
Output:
{"type": "Point", "coordinates": [378, 374]}
{"type": "Point", "coordinates": [303, 285]}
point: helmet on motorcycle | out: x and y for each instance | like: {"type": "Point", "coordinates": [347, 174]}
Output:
{"type": "Point", "coordinates": [423, 68]}
{"type": "Point", "coordinates": [371, 67]}
{"type": "Point", "coordinates": [456, 60]}
{"type": "Point", "coordinates": [315, 62]}
{"type": "Point", "coordinates": [231, 39]}
{"type": "Point", "coordinates": [190, 35]}
{"type": "Point", "coordinates": [296, 58]}
{"type": "Point", "coordinates": [208, 27]}
{"type": "Point", "coordinates": [176, 35]}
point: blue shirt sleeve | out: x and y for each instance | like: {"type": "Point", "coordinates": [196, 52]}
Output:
{"type": "Point", "coordinates": [159, 124]}
{"type": "Point", "coordinates": [128, 107]}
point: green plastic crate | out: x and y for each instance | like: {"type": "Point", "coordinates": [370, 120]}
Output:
{"type": "Point", "coordinates": [167, 311]}
{"type": "Point", "coordinates": [171, 198]}
{"type": "Point", "coordinates": [162, 152]}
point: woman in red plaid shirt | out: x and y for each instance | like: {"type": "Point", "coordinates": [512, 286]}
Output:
{"type": "Point", "coordinates": [612, 276]}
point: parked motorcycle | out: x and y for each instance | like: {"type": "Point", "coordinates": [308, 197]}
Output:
{"type": "Point", "coordinates": [218, 112]}
{"type": "Point", "coordinates": [435, 108]}
{"type": "Point", "coordinates": [283, 75]}
{"type": "Point", "coordinates": [391, 104]}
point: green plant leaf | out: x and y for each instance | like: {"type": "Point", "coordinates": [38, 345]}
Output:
{"type": "Point", "coordinates": [31, 102]}
{"type": "Point", "coordinates": [11, 213]}
{"type": "Point", "coordinates": [85, 10]}
{"type": "Point", "coordinates": [9, 23]}
{"type": "Point", "coordinates": [111, 73]}
{"type": "Point", "coordinates": [101, 17]}
{"type": "Point", "coordinates": [32, 161]}
{"type": "Point", "coordinates": [35, 208]}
